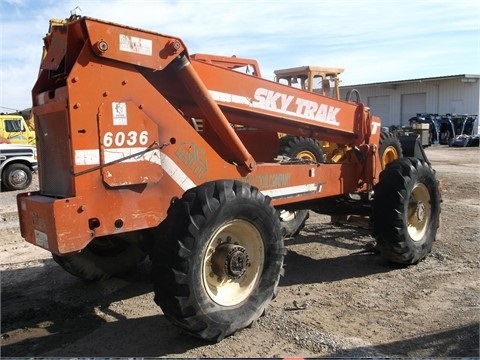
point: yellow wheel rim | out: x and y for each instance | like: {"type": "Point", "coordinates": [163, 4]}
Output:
{"type": "Point", "coordinates": [389, 154]}
{"type": "Point", "coordinates": [419, 212]}
{"type": "Point", "coordinates": [233, 262]}
{"type": "Point", "coordinates": [306, 155]}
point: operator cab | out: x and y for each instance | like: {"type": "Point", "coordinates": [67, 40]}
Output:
{"type": "Point", "coordinates": [321, 80]}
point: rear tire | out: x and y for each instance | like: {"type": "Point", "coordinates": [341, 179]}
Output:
{"type": "Point", "coordinates": [219, 259]}
{"type": "Point", "coordinates": [406, 211]}
{"type": "Point", "coordinates": [102, 259]}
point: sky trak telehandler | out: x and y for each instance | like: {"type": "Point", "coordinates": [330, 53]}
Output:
{"type": "Point", "coordinates": [126, 172]}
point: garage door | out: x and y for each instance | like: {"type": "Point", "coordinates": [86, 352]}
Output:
{"type": "Point", "coordinates": [380, 106]}
{"type": "Point", "coordinates": [412, 104]}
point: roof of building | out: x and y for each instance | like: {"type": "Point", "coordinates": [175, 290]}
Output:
{"type": "Point", "coordinates": [467, 77]}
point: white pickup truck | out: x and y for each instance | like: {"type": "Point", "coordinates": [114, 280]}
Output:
{"type": "Point", "coordinates": [17, 163]}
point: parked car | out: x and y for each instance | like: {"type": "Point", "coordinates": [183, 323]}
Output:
{"type": "Point", "coordinates": [17, 163]}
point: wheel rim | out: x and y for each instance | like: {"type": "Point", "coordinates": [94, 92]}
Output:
{"type": "Point", "coordinates": [306, 155]}
{"type": "Point", "coordinates": [233, 262]}
{"type": "Point", "coordinates": [419, 212]}
{"type": "Point", "coordinates": [390, 154]}
{"type": "Point", "coordinates": [18, 178]}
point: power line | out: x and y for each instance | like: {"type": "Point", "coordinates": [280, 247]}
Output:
{"type": "Point", "coordinates": [7, 108]}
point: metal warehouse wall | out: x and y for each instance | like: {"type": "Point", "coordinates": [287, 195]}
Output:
{"type": "Point", "coordinates": [397, 102]}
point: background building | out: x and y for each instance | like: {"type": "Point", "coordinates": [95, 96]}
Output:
{"type": "Point", "coordinates": [395, 102]}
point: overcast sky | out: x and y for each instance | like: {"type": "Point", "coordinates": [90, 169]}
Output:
{"type": "Point", "coordinates": [374, 41]}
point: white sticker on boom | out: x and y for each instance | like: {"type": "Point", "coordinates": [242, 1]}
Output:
{"type": "Point", "coordinates": [135, 45]}
{"type": "Point", "coordinates": [119, 113]}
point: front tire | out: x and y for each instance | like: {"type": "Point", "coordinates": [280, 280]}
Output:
{"type": "Point", "coordinates": [219, 259]}
{"type": "Point", "coordinates": [406, 211]}
{"type": "Point", "coordinates": [16, 176]}
{"type": "Point", "coordinates": [390, 148]}
{"type": "Point", "coordinates": [292, 222]}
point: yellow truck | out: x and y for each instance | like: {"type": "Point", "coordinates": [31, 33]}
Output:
{"type": "Point", "coordinates": [15, 130]}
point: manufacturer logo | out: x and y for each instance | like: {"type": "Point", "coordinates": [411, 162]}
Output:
{"type": "Point", "coordinates": [279, 102]}
{"type": "Point", "coordinates": [193, 158]}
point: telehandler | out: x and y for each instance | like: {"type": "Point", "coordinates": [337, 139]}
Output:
{"type": "Point", "coordinates": [126, 172]}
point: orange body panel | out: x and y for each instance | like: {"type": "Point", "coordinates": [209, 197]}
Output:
{"type": "Point", "coordinates": [118, 136]}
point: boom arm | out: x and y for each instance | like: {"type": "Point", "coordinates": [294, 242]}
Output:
{"type": "Point", "coordinates": [243, 99]}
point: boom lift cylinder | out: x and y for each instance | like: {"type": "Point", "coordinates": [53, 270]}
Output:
{"type": "Point", "coordinates": [209, 107]}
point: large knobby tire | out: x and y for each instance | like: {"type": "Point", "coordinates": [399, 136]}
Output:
{"type": "Point", "coordinates": [298, 147]}
{"type": "Point", "coordinates": [292, 222]}
{"type": "Point", "coordinates": [406, 211]}
{"type": "Point", "coordinates": [16, 176]}
{"type": "Point", "coordinates": [103, 258]}
{"type": "Point", "coordinates": [308, 149]}
{"type": "Point", "coordinates": [390, 148]}
{"type": "Point", "coordinates": [218, 259]}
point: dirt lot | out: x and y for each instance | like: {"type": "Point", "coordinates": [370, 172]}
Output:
{"type": "Point", "coordinates": [335, 299]}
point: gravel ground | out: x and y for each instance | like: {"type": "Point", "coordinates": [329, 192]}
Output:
{"type": "Point", "coordinates": [336, 299]}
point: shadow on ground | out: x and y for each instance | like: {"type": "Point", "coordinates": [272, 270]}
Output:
{"type": "Point", "coordinates": [461, 342]}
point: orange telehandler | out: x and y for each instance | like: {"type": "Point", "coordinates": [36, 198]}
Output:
{"type": "Point", "coordinates": [126, 172]}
